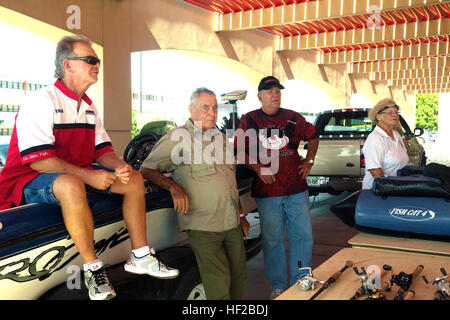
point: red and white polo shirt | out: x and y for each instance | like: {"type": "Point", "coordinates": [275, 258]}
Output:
{"type": "Point", "coordinates": [49, 125]}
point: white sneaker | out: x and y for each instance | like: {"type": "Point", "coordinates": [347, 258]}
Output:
{"type": "Point", "coordinates": [98, 285]}
{"type": "Point", "coordinates": [150, 265]}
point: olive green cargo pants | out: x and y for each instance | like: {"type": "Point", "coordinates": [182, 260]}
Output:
{"type": "Point", "coordinates": [221, 261]}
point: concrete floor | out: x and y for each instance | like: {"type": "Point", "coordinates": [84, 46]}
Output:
{"type": "Point", "coordinates": [330, 236]}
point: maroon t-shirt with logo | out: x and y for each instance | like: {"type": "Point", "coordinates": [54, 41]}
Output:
{"type": "Point", "coordinates": [280, 133]}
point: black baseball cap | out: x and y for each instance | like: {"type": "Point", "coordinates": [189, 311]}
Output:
{"type": "Point", "coordinates": [268, 83]}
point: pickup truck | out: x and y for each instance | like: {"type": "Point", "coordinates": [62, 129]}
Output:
{"type": "Point", "coordinates": [339, 164]}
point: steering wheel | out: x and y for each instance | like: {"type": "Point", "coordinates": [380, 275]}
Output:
{"type": "Point", "coordinates": [139, 148]}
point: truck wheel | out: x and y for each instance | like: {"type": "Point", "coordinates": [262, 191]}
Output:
{"type": "Point", "coordinates": [190, 286]}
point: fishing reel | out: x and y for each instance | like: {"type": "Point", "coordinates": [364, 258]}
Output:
{"type": "Point", "coordinates": [364, 277]}
{"type": "Point", "coordinates": [443, 292]}
{"type": "Point", "coordinates": [403, 280]}
{"type": "Point", "coordinates": [366, 289]}
{"type": "Point", "coordinates": [307, 282]}
{"type": "Point", "coordinates": [375, 294]}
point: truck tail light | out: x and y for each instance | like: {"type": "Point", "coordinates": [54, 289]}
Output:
{"type": "Point", "coordinates": [362, 160]}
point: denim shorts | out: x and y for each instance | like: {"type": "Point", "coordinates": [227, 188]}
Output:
{"type": "Point", "coordinates": [40, 189]}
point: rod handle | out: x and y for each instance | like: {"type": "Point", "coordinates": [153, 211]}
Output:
{"type": "Point", "coordinates": [418, 270]}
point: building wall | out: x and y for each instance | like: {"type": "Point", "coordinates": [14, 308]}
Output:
{"type": "Point", "coordinates": [122, 27]}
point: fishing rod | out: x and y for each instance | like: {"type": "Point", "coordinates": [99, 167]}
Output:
{"type": "Point", "coordinates": [332, 279]}
{"type": "Point", "coordinates": [404, 281]}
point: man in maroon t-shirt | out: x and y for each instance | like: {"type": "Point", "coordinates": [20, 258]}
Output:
{"type": "Point", "coordinates": [272, 136]}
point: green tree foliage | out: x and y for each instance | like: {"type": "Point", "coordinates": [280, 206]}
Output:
{"type": "Point", "coordinates": [427, 111]}
{"type": "Point", "coordinates": [134, 128]}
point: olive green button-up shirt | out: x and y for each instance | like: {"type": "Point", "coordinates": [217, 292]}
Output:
{"type": "Point", "coordinates": [197, 162]}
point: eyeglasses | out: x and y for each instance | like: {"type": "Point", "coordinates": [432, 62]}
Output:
{"type": "Point", "coordinates": [390, 113]}
{"type": "Point", "coordinates": [88, 59]}
{"type": "Point", "coordinates": [206, 108]}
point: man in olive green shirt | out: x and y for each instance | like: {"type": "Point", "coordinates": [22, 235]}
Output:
{"type": "Point", "coordinates": [204, 191]}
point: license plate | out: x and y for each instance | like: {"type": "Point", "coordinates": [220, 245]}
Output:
{"type": "Point", "coordinates": [316, 181]}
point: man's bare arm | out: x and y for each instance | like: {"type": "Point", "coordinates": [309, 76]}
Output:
{"type": "Point", "coordinates": [313, 145]}
{"type": "Point", "coordinates": [179, 196]}
{"type": "Point", "coordinates": [378, 172]}
{"type": "Point", "coordinates": [257, 168]}
{"type": "Point", "coordinates": [99, 179]}
{"type": "Point", "coordinates": [111, 161]}
{"type": "Point", "coordinates": [304, 168]}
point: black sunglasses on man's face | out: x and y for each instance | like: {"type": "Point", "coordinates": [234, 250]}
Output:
{"type": "Point", "coordinates": [88, 59]}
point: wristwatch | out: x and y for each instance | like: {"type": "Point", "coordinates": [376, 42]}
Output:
{"type": "Point", "coordinates": [311, 162]}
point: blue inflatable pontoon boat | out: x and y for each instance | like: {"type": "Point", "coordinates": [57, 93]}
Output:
{"type": "Point", "coordinates": [410, 203]}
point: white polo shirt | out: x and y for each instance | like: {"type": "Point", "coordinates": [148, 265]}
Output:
{"type": "Point", "coordinates": [383, 152]}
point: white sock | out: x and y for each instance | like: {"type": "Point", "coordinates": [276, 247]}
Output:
{"type": "Point", "coordinates": [93, 265]}
{"type": "Point", "coordinates": [139, 253]}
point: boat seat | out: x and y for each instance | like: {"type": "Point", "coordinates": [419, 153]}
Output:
{"type": "Point", "coordinates": [410, 186]}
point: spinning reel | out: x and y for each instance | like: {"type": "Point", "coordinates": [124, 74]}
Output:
{"type": "Point", "coordinates": [443, 292]}
{"type": "Point", "coordinates": [366, 289]}
{"type": "Point", "coordinates": [307, 282]}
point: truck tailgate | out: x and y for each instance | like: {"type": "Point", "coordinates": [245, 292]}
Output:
{"type": "Point", "coordinates": [336, 156]}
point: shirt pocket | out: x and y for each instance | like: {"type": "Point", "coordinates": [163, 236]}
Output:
{"type": "Point", "coordinates": [200, 171]}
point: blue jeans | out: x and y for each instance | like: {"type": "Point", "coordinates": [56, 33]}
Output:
{"type": "Point", "coordinates": [277, 213]}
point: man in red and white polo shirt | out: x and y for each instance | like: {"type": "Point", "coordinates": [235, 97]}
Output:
{"type": "Point", "coordinates": [57, 136]}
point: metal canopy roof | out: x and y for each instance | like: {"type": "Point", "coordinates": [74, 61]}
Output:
{"type": "Point", "coordinates": [380, 37]}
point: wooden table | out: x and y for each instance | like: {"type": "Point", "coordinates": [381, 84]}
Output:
{"type": "Point", "coordinates": [349, 282]}
{"type": "Point", "coordinates": [418, 246]}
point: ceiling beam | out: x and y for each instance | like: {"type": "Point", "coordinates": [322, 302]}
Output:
{"type": "Point", "coordinates": [430, 49]}
{"type": "Point", "coordinates": [397, 65]}
{"type": "Point", "coordinates": [426, 87]}
{"type": "Point", "coordinates": [432, 91]}
{"type": "Point", "coordinates": [309, 11]}
{"type": "Point", "coordinates": [405, 31]}
{"type": "Point", "coordinates": [419, 81]}
{"type": "Point", "coordinates": [410, 74]}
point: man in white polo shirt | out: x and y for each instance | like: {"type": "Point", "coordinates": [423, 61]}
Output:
{"type": "Point", "coordinates": [57, 136]}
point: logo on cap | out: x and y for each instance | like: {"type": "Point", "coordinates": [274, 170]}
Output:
{"type": "Point", "coordinates": [268, 83]}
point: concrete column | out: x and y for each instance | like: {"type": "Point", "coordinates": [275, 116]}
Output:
{"type": "Point", "coordinates": [117, 72]}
